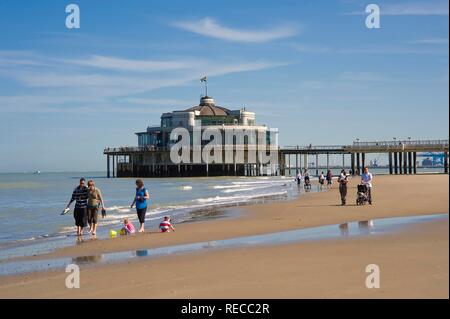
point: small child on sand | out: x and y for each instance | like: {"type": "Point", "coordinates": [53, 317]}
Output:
{"type": "Point", "coordinates": [166, 226]}
{"type": "Point", "coordinates": [129, 227]}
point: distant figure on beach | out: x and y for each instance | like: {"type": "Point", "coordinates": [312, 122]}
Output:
{"type": "Point", "coordinates": [80, 196]}
{"type": "Point", "coordinates": [299, 178]}
{"type": "Point", "coordinates": [166, 226]}
{"type": "Point", "coordinates": [366, 179]}
{"type": "Point", "coordinates": [140, 199]}
{"type": "Point", "coordinates": [95, 200]}
{"type": "Point", "coordinates": [128, 227]}
{"type": "Point", "coordinates": [329, 179]}
{"type": "Point", "coordinates": [321, 180]}
{"type": "Point", "coordinates": [343, 181]}
{"type": "Point", "coordinates": [306, 178]}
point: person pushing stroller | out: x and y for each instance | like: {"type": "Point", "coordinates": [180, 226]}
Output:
{"type": "Point", "coordinates": [366, 184]}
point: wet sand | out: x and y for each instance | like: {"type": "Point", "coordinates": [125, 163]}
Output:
{"type": "Point", "coordinates": [413, 261]}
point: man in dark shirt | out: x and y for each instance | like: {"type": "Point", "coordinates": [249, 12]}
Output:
{"type": "Point", "coordinates": [80, 196]}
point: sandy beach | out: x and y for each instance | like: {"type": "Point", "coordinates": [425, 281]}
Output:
{"type": "Point", "coordinates": [413, 261]}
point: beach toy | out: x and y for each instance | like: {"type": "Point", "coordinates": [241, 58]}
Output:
{"type": "Point", "coordinates": [122, 232]}
{"type": "Point", "coordinates": [65, 211]}
{"type": "Point", "coordinates": [112, 233]}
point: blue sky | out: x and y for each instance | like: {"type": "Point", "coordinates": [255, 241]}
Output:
{"type": "Point", "coordinates": [310, 68]}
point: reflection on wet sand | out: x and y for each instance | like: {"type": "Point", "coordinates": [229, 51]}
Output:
{"type": "Point", "coordinates": [142, 253]}
{"type": "Point", "coordinates": [344, 229]}
{"type": "Point", "coordinates": [364, 227]}
{"type": "Point", "coordinates": [87, 259]}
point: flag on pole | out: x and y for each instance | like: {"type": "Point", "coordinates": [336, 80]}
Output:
{"type": "Point", "coordinates": [204, 79]}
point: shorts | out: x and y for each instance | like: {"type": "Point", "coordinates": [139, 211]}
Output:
{"type": "Point", "coordinates": [92, 215]}
{"type": "Point", "coordinates": [329, 182]}
{"type": "Point", "coordinates": [81, 216]}
{"type": "Point", "coordinates": [141, 214]}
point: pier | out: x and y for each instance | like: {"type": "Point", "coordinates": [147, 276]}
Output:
{"type": "Point", "coordinates": [155, 162]}
{"type": "Point", "coordinates": [402, 155]}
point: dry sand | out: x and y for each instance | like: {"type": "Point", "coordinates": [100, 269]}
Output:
{"type": "Point", "coordinates": [413, 261]}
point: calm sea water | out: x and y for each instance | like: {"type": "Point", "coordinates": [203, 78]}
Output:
{"type": "Point", "coordinates": [30, 204]}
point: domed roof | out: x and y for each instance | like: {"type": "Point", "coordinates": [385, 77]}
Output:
{"type": "Point", "coordinates": [207, 107]}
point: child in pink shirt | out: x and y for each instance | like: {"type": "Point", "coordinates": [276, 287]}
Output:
{"type": "Point", "coordinates": [129, 227]}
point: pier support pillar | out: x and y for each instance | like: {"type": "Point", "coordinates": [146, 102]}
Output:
{"type": "Point", "coordinates": [317, 164]}
{"type": "Point", "coordinates": [446, 162]}
{"type": "Point", "coordinates": [395, 163]}
{"type": "Point", "coordinates": [353, 163]}
{"type": "Point", "coordinates": [410, 163]}
{"type": "Point", "coordinates": [113, 166]}
{"type": "Point", "coordinates": [390, 163]}
{"type": "Point", "coordinates": [400, 159]}
{"type": "Point", "coordinates": [405, 163]}
{"type": "Point", "coordinates": [107, 167]}
{"type": "Point", "coordinates": [117, 166]}
{"type": "Point", "coordinates": [305, 161]}
{"type": "Point", "coordinates": [289, 164]}
{"type": "Point", "coordinates": [280, 163]}
{"type": "Point", "coordinates": [363, 160]}
{"type": "Point", "coordinates": [415, 162]}
{"type": "Point", "coordinates": [296, 163]}
{"type": "Point", "coordinates": [358, 167]}
{"type": "Point", "coordinates": [328, 161]}
{"type": "Point", "coordinates": [343, 161]}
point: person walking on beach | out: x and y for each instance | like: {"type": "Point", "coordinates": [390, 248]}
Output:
{"type": "Point", "coordinates": [299, 178]}
{"type": "Point", "coordinates": [80, 196]}
{"type": "Point", "coordinates": [306, 179]}
{"type": "Point", "coordinates": [95, 200]}
{"type": "Point", "coordinates": [366, 179]}
{"type": "Point", "coordinates": [329, 179]}
{"type": "Point", "coordinates": [140, 199]}
{"type": "Point", "coordinates": [343, 180]}
{"type": "Point", "coordinates": [321, 180]}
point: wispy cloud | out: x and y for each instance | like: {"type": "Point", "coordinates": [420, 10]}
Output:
{"type": "Point", "coordinates": [377, 49]}
{"type": "Point", "coordinates": [437, 41]}
{"type": "Point", "coordinates": [68, 84]}
{"type": "Point", "coordinates": [210, 28]}
{"type": "Point", "coordinates": [361, 77]}
{"type": "Point", "coordinates": [120, 64]}
{"type": "Point", "coordinates": [416, 8]}
{"type": "Point", "coordinates": [424, 8]}
{"type": "Point", "coordinates": [310, 48]}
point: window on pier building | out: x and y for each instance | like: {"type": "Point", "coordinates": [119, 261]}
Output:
{"type": "Point", "coordinates": [166, 122]}
{"type": "Point", "coordinates": [215, 120]}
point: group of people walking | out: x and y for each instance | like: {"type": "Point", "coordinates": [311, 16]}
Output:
{"type": "Point", "coordinates": [366, 179]}
{"type": "Point", "coordinates": [89, 201]}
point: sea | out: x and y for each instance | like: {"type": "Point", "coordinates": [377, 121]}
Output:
{"type": "Point", "coordinates": [31, 204]}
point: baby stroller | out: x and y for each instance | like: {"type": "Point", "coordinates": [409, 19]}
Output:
{"type": "Point", "coordinates": [363, 196]}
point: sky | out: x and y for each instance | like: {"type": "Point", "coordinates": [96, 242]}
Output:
{"type": "Point", "coordinates": [312, 69]}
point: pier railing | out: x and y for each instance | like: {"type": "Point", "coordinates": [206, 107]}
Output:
{"type": "Point", "coordinates": [313, 147]}
{"type": "Point", "coordinates": [375, 146]}
{"type": "Point", "coordinates": [400, 145]}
